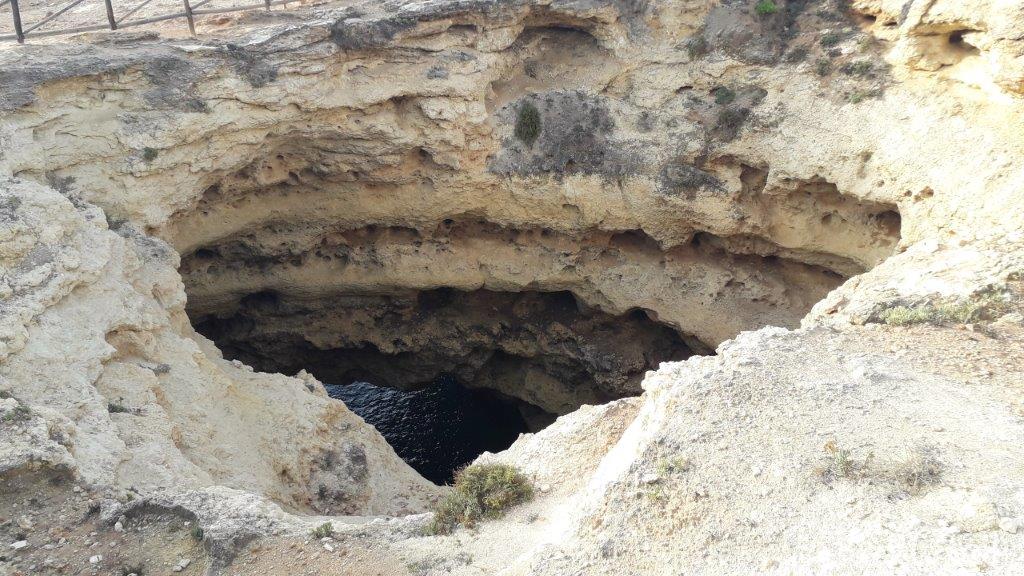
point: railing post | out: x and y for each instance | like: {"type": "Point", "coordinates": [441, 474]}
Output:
{"type": "Point", "coordinates": [190, 19]}
{"type": "Point", "coordinates": [17, 22]}
{"type": "Point", "coordinates": [110, 15]}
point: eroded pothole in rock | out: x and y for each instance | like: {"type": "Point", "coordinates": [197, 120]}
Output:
{"type": "Point", "coordinates": [453, 337]}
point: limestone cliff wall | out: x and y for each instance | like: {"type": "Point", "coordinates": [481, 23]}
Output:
{"type": "Point", "coordinates": [718, 169]}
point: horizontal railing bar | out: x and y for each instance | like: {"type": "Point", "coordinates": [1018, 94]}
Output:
{"type": "Point", "coordinates": [100, 26]}
{"type": "Point", "coordinates": [59, 32]}
{"type": "Point", "coordinates": [52, 16]}
{"type": "Point", "coordinates": [140, 22]}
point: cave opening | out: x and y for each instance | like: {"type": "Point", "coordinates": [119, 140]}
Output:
{"type": "Point", "coordinates": [455, 321]}
{"type": "Point", "coordinates": [443, 374]}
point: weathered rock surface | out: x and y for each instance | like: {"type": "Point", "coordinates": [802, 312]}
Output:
{"type": "Point", "coordinates": [698, 168]}
{"type": "Point", "coordinates": [122, 391]}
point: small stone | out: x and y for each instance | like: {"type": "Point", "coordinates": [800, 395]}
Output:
{"type": "Point", "coordinates": [650, 478]}
{"type": "Point", "coordinates": [1011, 525]}
{"type": "Point", "coordinates": [118, 527]}
{"type": "Point", "coordinates": [25, 523]}
{"type": "Point", "coordinates": [545, 488]}
{"type": "Point", "coordinates": [96, 559]}
{"type": "Point", "coordinates": [20, 544]}
{"type": "Point", "coordinates": [182, 564]}
{"type": "Point", "coordinates": [328, 547]}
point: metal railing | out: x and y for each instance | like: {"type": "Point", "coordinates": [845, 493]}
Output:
{"type": "Point", "coordinates": [114, 23]}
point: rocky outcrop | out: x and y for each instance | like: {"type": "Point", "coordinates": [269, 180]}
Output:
{"type": "Point", "coordinates": [547, 198]}
{"type": "Point", "coordinates": [120, 390]}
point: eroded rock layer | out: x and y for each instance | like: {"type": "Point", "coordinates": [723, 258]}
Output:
{"type": "Point", "coordinates": [684, 170]}
{"type": "Point", "coordinates": [539, 347]}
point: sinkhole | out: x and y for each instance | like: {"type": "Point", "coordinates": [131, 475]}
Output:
{"type": "Point", "coordinates": [452, 331]}
{"type": "Point", "coordinates": [443, 374]}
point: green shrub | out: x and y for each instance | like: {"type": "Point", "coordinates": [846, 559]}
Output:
{"type": "Point", "coordinates": [830, 39]}
{"type": "Point", "coordinates": [966, 312]}
{"type": "Point", "coordinates": [724, 95]}
{"type": "Point", "coordinates": [766, 7]}
{"type": "Point", "coordinates": [858, 96]}
{"type": "Point", "coordinates": [149, 154]}
{"type": "Point", "coordinates": [823, 67]}
{"type": "Point", "coordinates": [796, 55]}
{"type": "Point", "coordinates": [482, 491]}
{"type": "Point", "coordinates": [197, 533]}
{"type": "Point", "coordinates": [116, 408]}
{"type": "Point", "coordinates": [324, 530]}
{"type": "Point", "coordinates": [528, 124]}
{"type": "Point", "coordinates": [911, 475]}
{"type": "Point", "coordinates": [859, 68]}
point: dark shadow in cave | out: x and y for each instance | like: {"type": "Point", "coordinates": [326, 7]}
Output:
{"type": "Point", "coordinates": [445, 375]}
{"type": "Point", "coordinates": [438, 429]}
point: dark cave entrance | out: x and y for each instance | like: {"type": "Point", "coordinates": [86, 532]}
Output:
{"type": "Point", "coordinates": [446, 375]}
{"type": "Point", "coordinates": [437, 429]}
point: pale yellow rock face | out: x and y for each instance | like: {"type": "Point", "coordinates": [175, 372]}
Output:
{"type": "Point", "coordinates": [696, 167]}
{"type": "Point", "coordinates": [132, 398]}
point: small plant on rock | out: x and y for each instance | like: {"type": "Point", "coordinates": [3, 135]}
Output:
{"type": "Point", "coordinates": [117, 408]}
{"type": "Point", "coordinates": [697, 46]}
{"type": "Point", "coordinates": [133, 569]}
{"type": "Point", "coordinates": [859, 68]}
{"type": "Point", "coordinates": [766, 8]}
{"type": "Point", "coordinates": [149, 154]}
{"type": "Point", "coordinates": [830, 39]}
{"type": "Point", "coordinates": [916, 473]}
{"type": "Point", "coordinates": [324, 530]}
{"type": "Point", "coordinates": [842, 464]}
{"type": "Point", "coordinates": [723, 95]}
{"type": "Point", "coordinates": [528, 124]}
{"type": "Point", "coordinates": [197, 533]}
{"type": "Point", "coordinates": [858, 96]}
{"type": "Point", "coordinates": [966, 312]}
{"type": "Point", "coordinates": [482, 491]}
{"type": "Point", "coordinates": [823, 67]}
{"type": "Point", "coordinates": [19, 413]}
{"type": "Point", "coordinates": [668, 466]}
